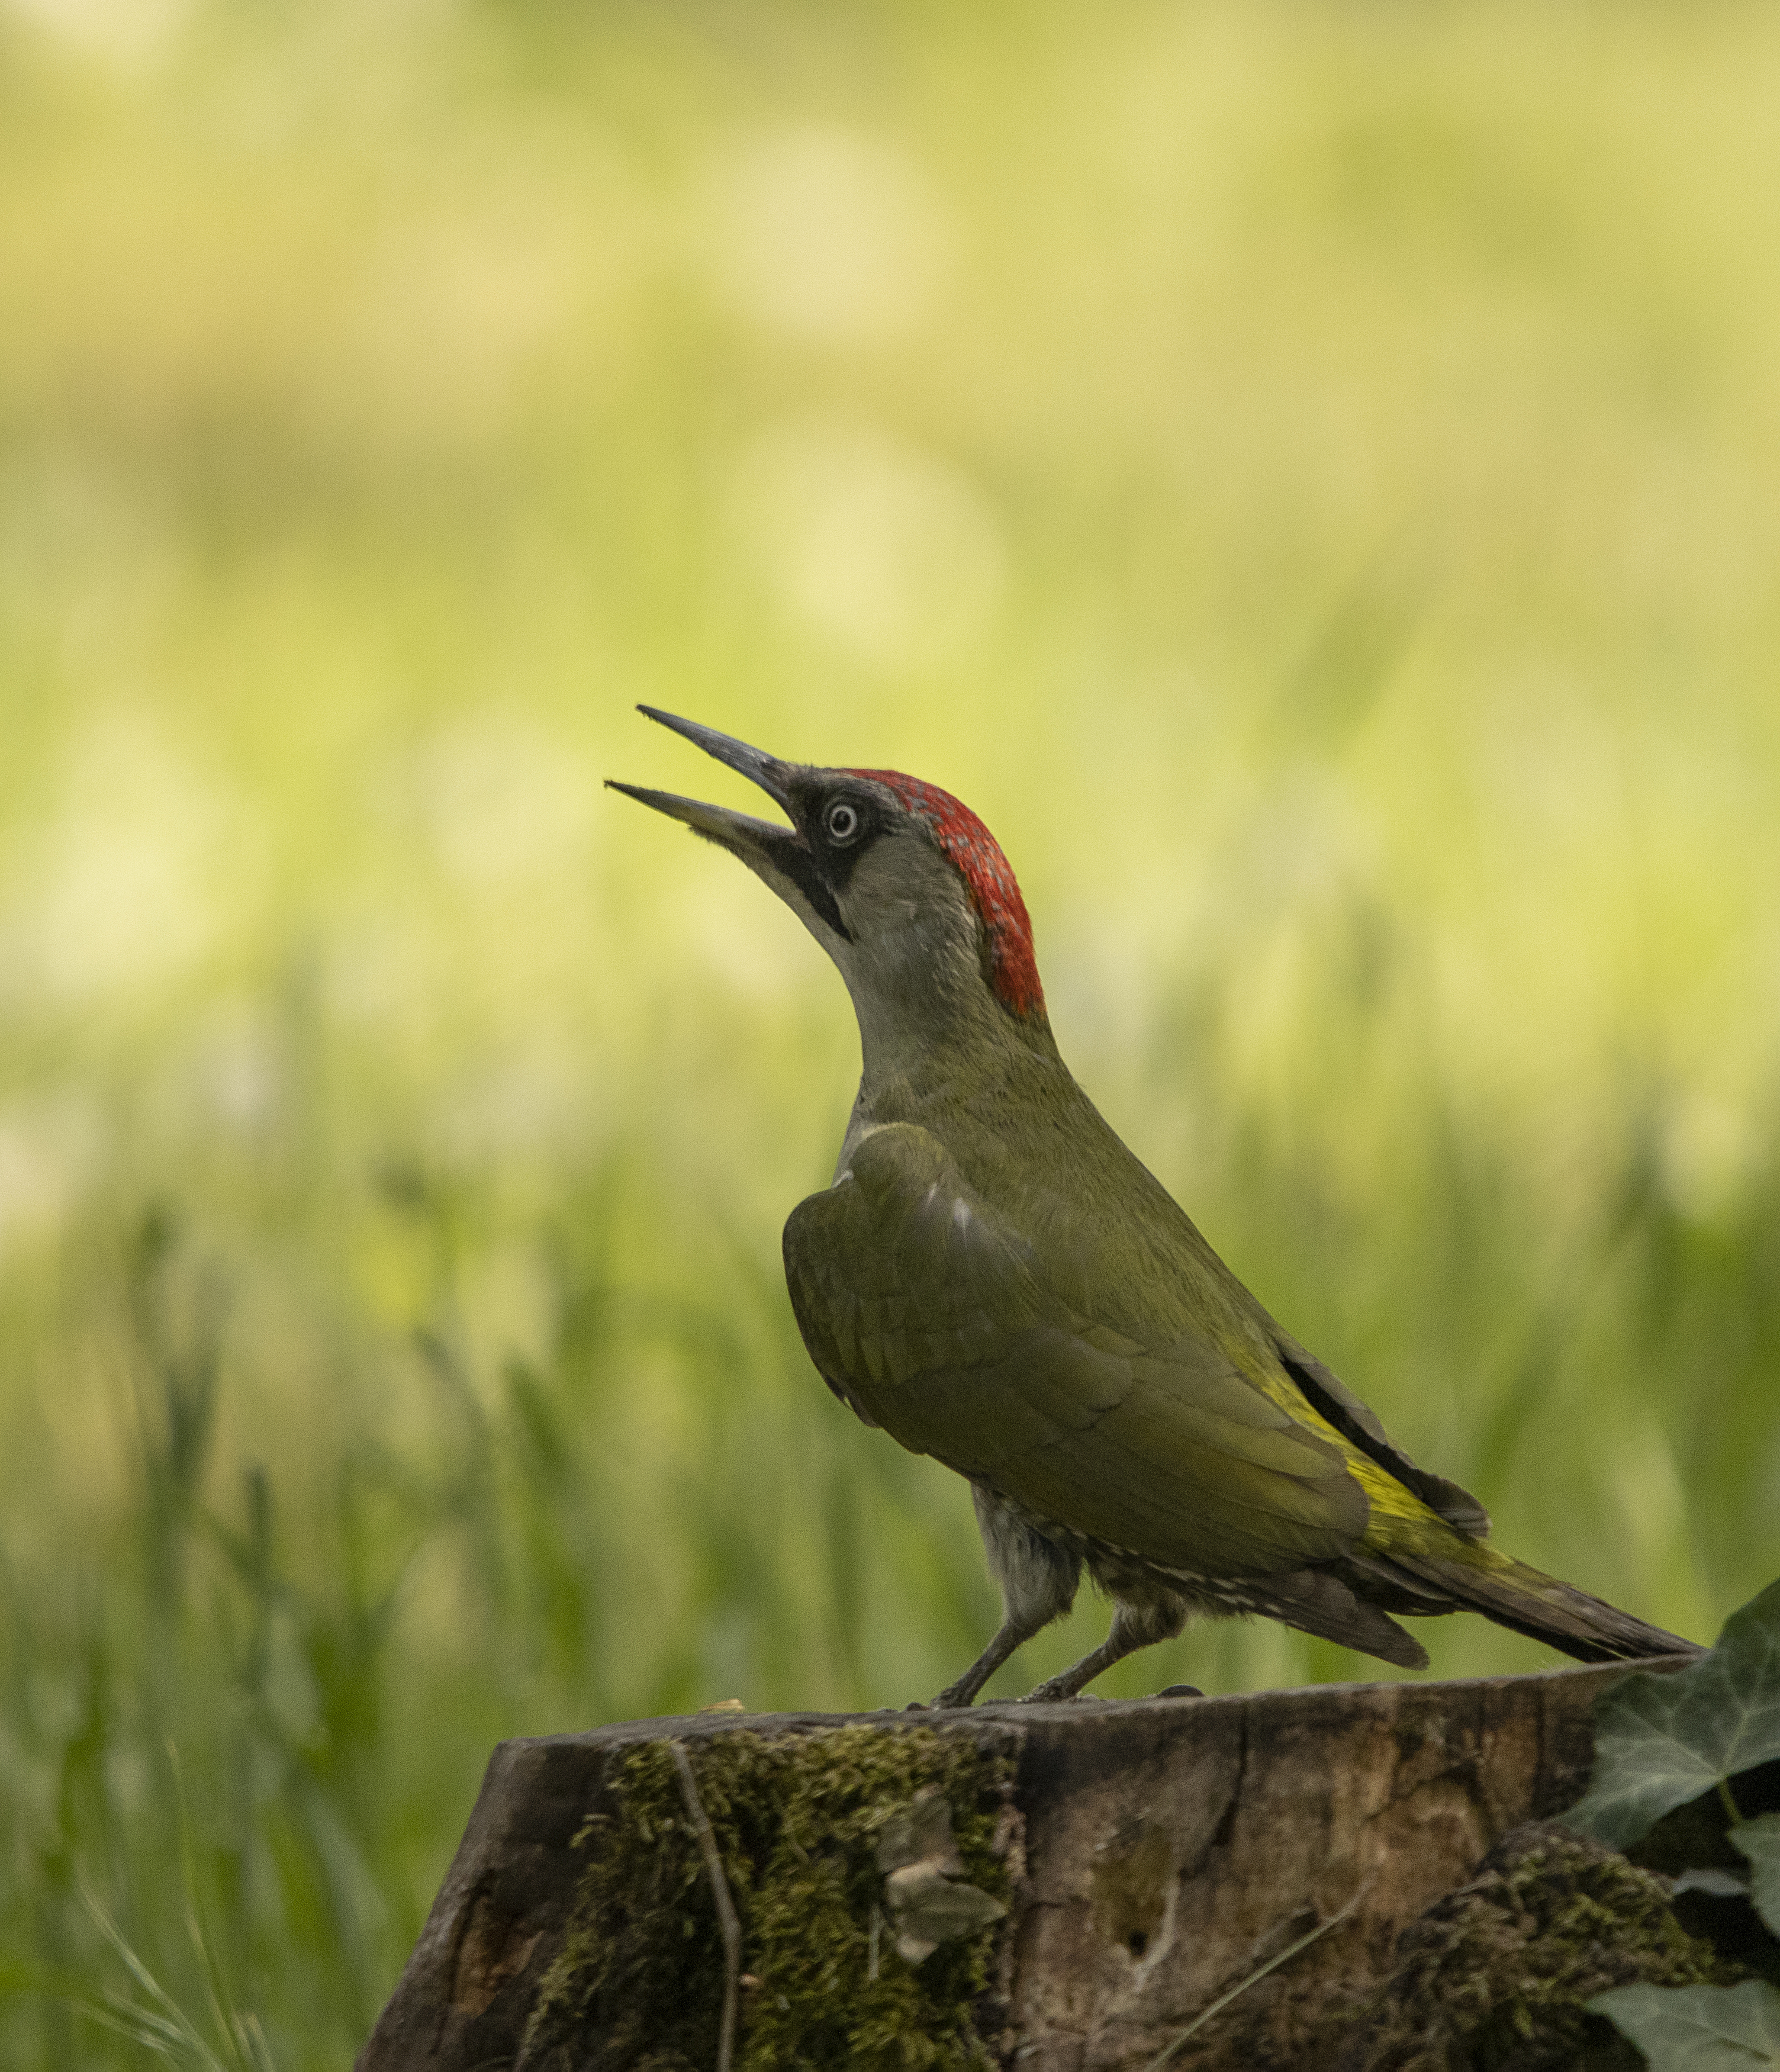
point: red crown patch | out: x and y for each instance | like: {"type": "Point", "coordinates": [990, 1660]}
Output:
{"type": "Point", "coordinates": [969, 846]}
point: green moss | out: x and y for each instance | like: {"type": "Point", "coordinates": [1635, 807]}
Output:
{"type": "Point", "coordinates": [1493, 1976]}
{"type": "Point", "coordinates": [638, 1983]}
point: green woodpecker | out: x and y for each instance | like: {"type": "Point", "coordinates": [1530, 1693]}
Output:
{"type": "Point", "coordinates": [994, 1279]}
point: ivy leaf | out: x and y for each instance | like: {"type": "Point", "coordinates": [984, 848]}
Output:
{"type": "Point", "coordinates": [1698, 2028]}
{"type": "Point", "coordinates": [1759, 1840]}
{"type": "Point", "coordinates": [1661, 1740]}
{"type": "Point", "coordinates": [920, 1832]}
{"type": "Point", "coordinates": [926, 1908]}
{"type": "Point", "coordinates": [924, 1890]}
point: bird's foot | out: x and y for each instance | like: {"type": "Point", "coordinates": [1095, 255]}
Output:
{"type": "Point", "coordinates": [950, 1700]}
{"type": "Point", "coordinates": [1180, 1691]}
{"type": "Point", "coordinates": [1058, 1692]}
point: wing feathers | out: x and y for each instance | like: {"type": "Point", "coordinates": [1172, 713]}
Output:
{"type": "Point", "coordinates": [929, 1314]}
{"type": "Point", "coordinates": [1215, 1454]}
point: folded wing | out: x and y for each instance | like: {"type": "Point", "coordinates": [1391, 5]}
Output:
{"type": "Point", "coordinates": [932, 1317]}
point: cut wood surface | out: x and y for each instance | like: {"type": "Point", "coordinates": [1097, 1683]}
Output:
{"type": "Point", "coordinates": [1150, 1855]}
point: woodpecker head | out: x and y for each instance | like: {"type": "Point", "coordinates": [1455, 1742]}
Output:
{"type": "Point", "coordinates": [903, 886]}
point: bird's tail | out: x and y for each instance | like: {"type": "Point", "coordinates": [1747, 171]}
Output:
{"type": "Point", "coordinates": [1474, 1577]}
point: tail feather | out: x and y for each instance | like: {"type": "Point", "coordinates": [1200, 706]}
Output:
{"type": "Point", "coordinates": [1335, 1607]}
{"type": "Point", "coordinates": [1478, 1579]}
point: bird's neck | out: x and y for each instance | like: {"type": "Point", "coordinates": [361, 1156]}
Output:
{"type": "Point", "coordinates": [940, 1068]}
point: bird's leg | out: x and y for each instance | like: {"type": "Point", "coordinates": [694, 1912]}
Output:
{"type": "Point", "coordinates": [1012, 1633]}
{"type": "Point", "coordinates": [1134, 1625]}
{"type": "Point", "coordinates": [1038, 1579]}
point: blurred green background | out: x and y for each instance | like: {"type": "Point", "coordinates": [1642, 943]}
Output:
{"type": "Point", "coordinates": [1308, 473]}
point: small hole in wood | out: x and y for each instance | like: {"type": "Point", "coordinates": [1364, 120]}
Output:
{"type": "Point", "coordinates": [1136, 1941]}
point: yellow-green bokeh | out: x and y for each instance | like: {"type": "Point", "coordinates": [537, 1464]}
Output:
{"type": "Point", "coordinates": [1308, 475]}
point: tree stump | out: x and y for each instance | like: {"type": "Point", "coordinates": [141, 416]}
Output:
{"type": "Point", "coordinates": [1133, 1862]}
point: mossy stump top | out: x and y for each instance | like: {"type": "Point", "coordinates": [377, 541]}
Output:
{"type": "Point", "coordinates": [1126, 1864]}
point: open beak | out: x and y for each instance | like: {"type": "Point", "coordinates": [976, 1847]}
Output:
{"type": "Point", "coordinates": [750, 839]}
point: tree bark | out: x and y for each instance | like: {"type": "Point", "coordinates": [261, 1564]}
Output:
{"type": "Point", "coordinates": [1148, 1856]}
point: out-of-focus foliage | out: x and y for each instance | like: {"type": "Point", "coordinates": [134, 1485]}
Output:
{"type": "Point", "coordinates": [1308, 475]}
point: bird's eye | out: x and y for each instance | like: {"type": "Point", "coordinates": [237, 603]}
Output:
{"type": "Point", "coordinates": [841, 821]}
